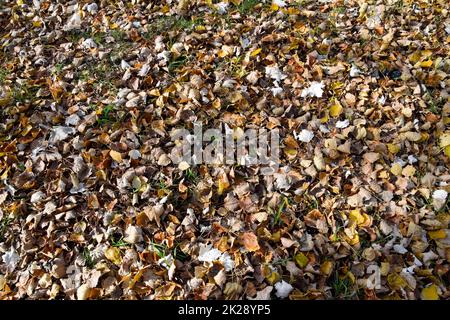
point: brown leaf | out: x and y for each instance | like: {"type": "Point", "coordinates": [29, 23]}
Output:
{"type": "Point", "coordinates": [250, 241]}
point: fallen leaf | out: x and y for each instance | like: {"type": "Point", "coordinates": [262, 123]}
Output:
{"type": "Point", "coordinates": [250, 241]}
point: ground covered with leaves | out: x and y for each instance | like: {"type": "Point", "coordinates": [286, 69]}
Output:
{"type": "Point", "coordinates": [92, 207]}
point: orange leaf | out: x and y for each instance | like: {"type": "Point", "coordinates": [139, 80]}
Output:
{"type": "Point", "coordinates": [115, 155]}
{"type": "Point", "coordinates": [250, 241]}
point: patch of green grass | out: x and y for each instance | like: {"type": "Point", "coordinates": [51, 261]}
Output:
{"type": "Point", "coordinates": [100, 74]}
{"type": "Point", "coordinates": [170, 23]}
{"type": "Point", "coordinates": [233, 66]}
{"type": "Point", "coordinates": [76, 35]}
{"type": "Point", "coordinates": [342, 287]}
{"type": "Point", "coordinates": [57, 69]}
{"type": "Point", "coordinates": [191, 176]}
{"type": "Point", "coordinates": [435, 106]}
{"type": "Point", "coordinates": [313, 203]}
{"type": "Point", "coordinates": [398, 6]}
{"type": "Point", "coordinates": [335, 236]}
{"type": "Point", "coordinates": [4, 223]}
{"type": "Point", "coordinates": [105, 116]}
{"type": "Point", "coordinates": [84, 75]}
{"type": "Point", "coordinates": [339, 10]}
{"type": "Point", "coordinates": [178, 254]}
{"type": "Point", "coordinates": [88, 258]}
{"type": "Point", "coordinates": [282, 262]}
{"type": "Point", "coordinates": [118, 35]}
{"type": "Point", "coordinates": [162, 184]}
{"type": "Point", "coordinates": [118, 242]}
{"type": "Point", "coordinates": [176, 63]}
{"type": "Point", "coordinates": [162, 251]}
{"type": "Point", "coordinates": [247, 6]}
{"type": "Point", "coordinates": [24, 93]}
{"type": "Point", "coordinates": [277, 214]}
{"type": "Point", "coordinates": [3, 75]}
{"type": "Point", "coordinates": [383, 240]}
{"type": "Point", "coordinates": [99, 37]}
{"type": "Point", "coordinates": [159, 249]}
{"type": "Point", "coordinates": [119, 50]}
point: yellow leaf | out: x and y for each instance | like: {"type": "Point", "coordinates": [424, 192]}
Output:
{"type": "Point", "coordinates": [384, 270]}
{"type": "Point", "coordinates": [426, 53]}
{"type": "Point", "coordinates": [426, 64]}
{"type": "Point", "coordinates": [292, 10]}
{"type": "Point", "coordinates": [430, 293]}
{"type": "Point", "coordinates": [444, 140]}
{"type": "Point", "coordinates": [276, 236]}
{"type": "Point", "coordinates": [223, 183]}
{"type": "Point", "coordinates": [415, 57]}
{"type": "Point", "coordinates": [290, 153]}
{"type": "Point", "coordinates": [351, 236]}
{"type": "Point", "coordinates": [383, 174]}
{"type": "Point", "coordinates": [325, 118]}
{"type": "Point", "coordinates": [4, 175]}
{"type": "Point", "coordinates": [165, 9]}
{"type": "Point", "coordinates": [55, 89]}
{"type": "Point", "coordinates": [351, 277]}
{"type": "Point", "coordinates": [396, 169]}
{"type": "Point", "coordinates": [136, 278]}
{"type": "Point", "coordinates": [396, 281]}
{"type": "Point", "coordinates": [154, 92]}
{"type": "Point", "coordinates": [356, 217]}
{"type": "Point", "coordinates": [337, 85]}
{"type": "Point", "coordinates": [117, 156]}
{"type": "Point", "coordinates": [200, 28]}
{"type": "Point", "coordinates": [301, 259]}
{"type": "Point", "coordinates": [273, 277]}
{"type": "Point", "coordinates": [438, 234]}
{"type": "Point", "coordinates": [5, 99]}
{"type": "Point", "coordinates": [336, 109]}
{"type": "Point", "coordinates": [225, 51]}
{"type": "Point", "coordinates": [393, 148]}
{"type": "Point", "coordinates": [447, 151]}
{"type": "Point", "coordinates": [113, 254]}
{"type": "Point", "coordinates": [37, 23]}
{"type": "Point", "coordinates": [326, 268]}
{"type": "Point", "coordinates": [255, 52]}
{"type": "Point", "coordinates": [222, 53]}
{"type": "Point", "coordinates": [408, 171]}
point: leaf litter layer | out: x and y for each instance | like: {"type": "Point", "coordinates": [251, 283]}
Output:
{"type": "Point", "coordinates": [92, 207]}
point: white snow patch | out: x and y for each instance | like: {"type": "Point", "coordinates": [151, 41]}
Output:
{"type": "Point", "coordinates": [342, 124]}
{"type": "Point", "coordinates": [222, 7]}
{"type": "Point", "coordinates": [209, 254]}
{"type": "Point", "coordinates": [304, 135]}
{"type": "Point", "coordinates": [275, 73]}
{"type": "Point", "coordinates": [11, 259]}
{"type": "Point", "coordinates": [283, 289]}
{"type": "Point", "coordinates": [314, 90]}
{"type": "Point", "coordinates": [60, 133]}
{"type": "Point", "coordinates": [279, 3]}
